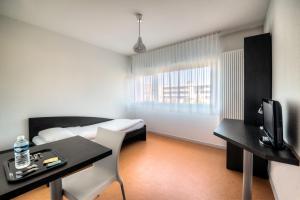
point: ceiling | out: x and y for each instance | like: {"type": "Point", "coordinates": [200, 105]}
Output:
{"type": "Point", "coordinates": [111, 24]}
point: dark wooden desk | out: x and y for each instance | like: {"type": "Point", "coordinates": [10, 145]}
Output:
{"type": "Point", "coordinates": [79, 153]}
{"type": "Point", "coordinates": [246, 137]}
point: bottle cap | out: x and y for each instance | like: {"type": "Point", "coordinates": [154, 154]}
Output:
{"type": "Point", "coordinates": [21, 137]}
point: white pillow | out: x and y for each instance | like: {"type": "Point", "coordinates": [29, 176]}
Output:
{"type": "Point", "coordinates": [37, 140]}
{"type": "Point", "coordinates": [88, 132]}
{"type": "Point", "coordinates": [74, 129]}
{"type": "Point", "coordinates": [54, 134]}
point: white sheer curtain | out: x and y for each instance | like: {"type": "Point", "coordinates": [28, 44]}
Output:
{"type": "Point", "coordinates": [181, 77]}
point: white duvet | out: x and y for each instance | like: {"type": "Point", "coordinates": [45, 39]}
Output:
{"type": "Point", "coordinates": [89, 132]}
{"type": "Point", "coordinates": [122, 124]}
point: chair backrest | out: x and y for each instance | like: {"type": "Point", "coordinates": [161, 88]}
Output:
{"type": "Point", "coordinates": [112, 140]}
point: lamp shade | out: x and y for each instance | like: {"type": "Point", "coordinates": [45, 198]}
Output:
{"type": "Point", "coordinates": [139, 46]}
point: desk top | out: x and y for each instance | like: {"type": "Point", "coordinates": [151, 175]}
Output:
{"type": "Point", "coordinates": [78, 151]}
{"type": "Point", "coordinates": [246, 137]}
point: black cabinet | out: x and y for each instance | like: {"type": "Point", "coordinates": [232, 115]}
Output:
{"type": "Point", "coordinates": [257, 85]}
{"type": "Point", "coordinates": [258, 75]}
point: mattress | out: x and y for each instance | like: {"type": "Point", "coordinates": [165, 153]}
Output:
{"type": "Point", "coordinates": [90, 131]}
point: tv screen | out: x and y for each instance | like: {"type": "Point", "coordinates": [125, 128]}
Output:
{"type": "Point", "coordinates": [268, 118]}
{"type": "Point", "coordinates": [273, 122]}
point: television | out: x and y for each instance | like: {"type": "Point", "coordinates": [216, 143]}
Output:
{"type": "Point", "coordinates": [272, 122]}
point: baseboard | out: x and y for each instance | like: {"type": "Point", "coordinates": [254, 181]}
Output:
{"type": "Point", "coordinates": [272, 185]}
{"type": "Point", "coordinates": [190, 140]}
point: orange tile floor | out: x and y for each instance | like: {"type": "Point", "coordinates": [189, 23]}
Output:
{"type": "Point", "coordinates": [163, 168]}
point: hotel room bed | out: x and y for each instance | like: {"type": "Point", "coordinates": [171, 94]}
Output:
{"type": "Point", "coordinates": [136, 131]}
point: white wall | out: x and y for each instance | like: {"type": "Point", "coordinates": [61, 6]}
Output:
{"type": "Point", "coordinates": [195, 127]}
{"type": "Point", "coordinates": [283, 21]}
{"type": "Point", "coordinates": [235, 40]}
{"type": "Point", "coordinates": [189, 126]}
{"type": "Point", "coordinates": [47, 74]}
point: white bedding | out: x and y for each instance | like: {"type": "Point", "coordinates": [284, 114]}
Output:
{"type": "Point", "coordinates": [125, 125]}
{"type": "Point", "coordinates": [89, 132]}
{"type": "Point", "coordinates": [54, 134]}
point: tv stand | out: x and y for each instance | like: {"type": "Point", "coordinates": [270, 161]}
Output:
{"type": "Point", "coordinates": [246, 137]}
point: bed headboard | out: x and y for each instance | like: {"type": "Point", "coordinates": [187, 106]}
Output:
{"type": "Point", "coordinates": [42, 123]}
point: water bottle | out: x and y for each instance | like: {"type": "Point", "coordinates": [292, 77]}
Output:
{"type": "Point", "coordinates": [22, 156]}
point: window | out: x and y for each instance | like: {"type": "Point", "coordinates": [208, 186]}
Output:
{"type": "Point", "coordinates": [185, 86]}
{"type": "Point", "coordinates": [183, 77]}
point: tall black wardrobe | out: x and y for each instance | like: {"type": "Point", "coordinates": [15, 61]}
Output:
{"type": "Point", "coordinates": [257, 85]}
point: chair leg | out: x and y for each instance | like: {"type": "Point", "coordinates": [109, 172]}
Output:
{"type": "Point", "coordinates": [123, 190]}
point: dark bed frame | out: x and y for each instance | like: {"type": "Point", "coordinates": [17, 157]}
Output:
{"type": "Point", "coordinates": [41, 123]}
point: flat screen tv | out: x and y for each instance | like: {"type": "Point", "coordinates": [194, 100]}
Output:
{"type": "Point", "coordinates": [273, 122]}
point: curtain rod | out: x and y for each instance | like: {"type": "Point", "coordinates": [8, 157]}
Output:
{"type": "Point", "coordinates": [221, 33]}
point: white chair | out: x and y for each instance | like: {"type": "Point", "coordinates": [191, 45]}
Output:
{"type": "Point", "coordinates": [89, 183]}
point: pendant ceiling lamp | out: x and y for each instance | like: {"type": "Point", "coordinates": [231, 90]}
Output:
{"type": "Point", "coordinates": [139, 47]}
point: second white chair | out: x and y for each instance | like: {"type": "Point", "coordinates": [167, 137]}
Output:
{"type": "Point", "coordinates": [89, 183]}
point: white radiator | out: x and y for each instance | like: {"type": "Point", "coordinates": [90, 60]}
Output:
{"type": "Point", "coordinates": [232, 84]}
